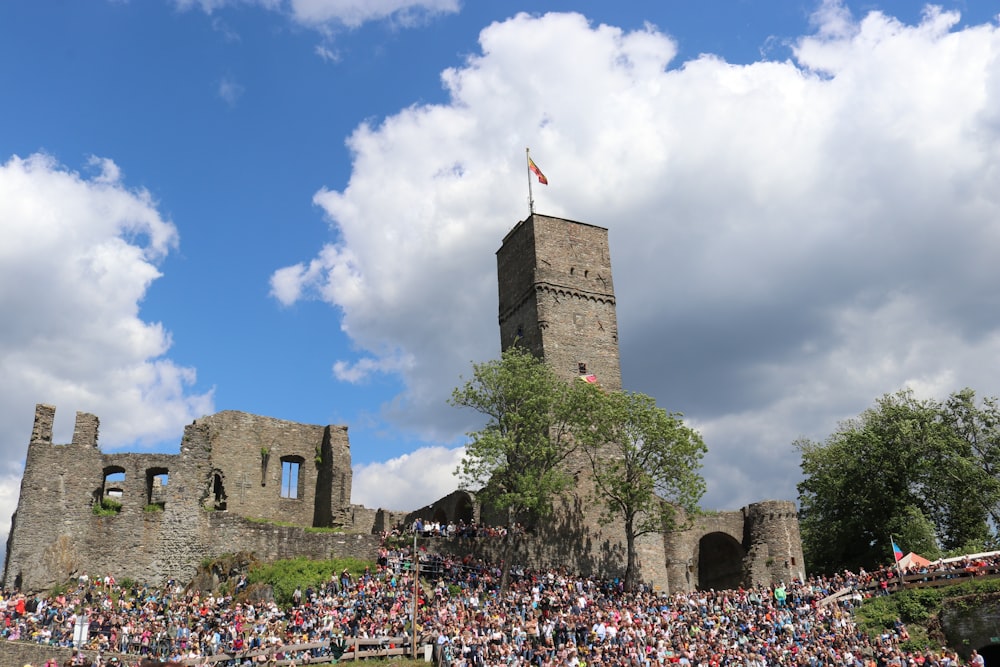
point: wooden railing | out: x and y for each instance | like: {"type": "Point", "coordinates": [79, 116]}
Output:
{"type": "Point", "coordinates": [355, 648]}
{"type": "Point", "coordinates": [919, 580]}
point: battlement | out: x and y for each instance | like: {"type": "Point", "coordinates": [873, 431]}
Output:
{"type": "Point", "coordinates": [158, 505]}
{"type": "Point", "coordinates": [41, 432]}
{"type": "Point", "coordinates": [85, 430]}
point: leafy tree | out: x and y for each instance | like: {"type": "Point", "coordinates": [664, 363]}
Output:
{"type": "Point", "coordinates": [645, 463]}
{"type": "Point", "coordinates": [977, 478]}
{"type": "Point", "coordinates": [901, 467]}
{"type": "Point", "coordinates": [515, 460]}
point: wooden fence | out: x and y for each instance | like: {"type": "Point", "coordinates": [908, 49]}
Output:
{"type": "Point", "coordinates": [918, 580]}
{"type": "Point", "coordinates": [355, 648]}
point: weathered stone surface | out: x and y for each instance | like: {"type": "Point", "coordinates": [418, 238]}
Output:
{"type": "Point", "coordinates": [177, 509]}
{"type": "Point", "coordinates": [557, 297]}
{"type": "Point", "coordinates": [972, 622]}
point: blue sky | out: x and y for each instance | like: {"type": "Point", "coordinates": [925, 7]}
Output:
{"type": "Point", "coordinates": [291, 208]}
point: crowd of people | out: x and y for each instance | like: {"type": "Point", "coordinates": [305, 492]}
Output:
{"type": "Point", "coordinates": [542, 619]}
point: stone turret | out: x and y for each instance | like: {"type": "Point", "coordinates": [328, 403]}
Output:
{"type": "Point", "coordinates": [775, 544]}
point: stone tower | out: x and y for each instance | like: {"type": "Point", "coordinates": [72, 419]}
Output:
{"type": "Point", "coordinates": [557, 297]}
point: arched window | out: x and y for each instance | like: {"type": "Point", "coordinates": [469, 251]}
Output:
{"type": "Point", "coordinates": [108, 499]}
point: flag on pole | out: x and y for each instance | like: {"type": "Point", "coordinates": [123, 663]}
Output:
{"type": "Point", "coordinates": [896, 551]}
{"type": "Point", "coordinates": [537, 172]}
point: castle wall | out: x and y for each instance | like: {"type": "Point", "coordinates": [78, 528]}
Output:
{"type": "Point", "coordinates": [279, 470]}
{"type": "Point", "coordinates": [556, 298]}
{"type": "Point", "coordinates": [756, 545]}
{"type": "Point", "coordinates": [177, 509]}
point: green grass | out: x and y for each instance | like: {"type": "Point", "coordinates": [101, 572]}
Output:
{"type": "Point", "coordinates": [107, 507]}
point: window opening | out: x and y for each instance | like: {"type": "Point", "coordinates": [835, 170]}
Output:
{"type": "Point", "coordinates": [290, 478]}
{"type": "Point", "coordinates": [218, 492]}
{"type": "Point", "coordinates": [156, 489]}
{"type": "Point", "coordinates": [108, 498]}
{"type": "Point", "coordinates": [113, 484]}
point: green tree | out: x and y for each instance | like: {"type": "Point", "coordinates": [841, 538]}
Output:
{"type": "Point", "coordinates": [899, 468]}
{"type": "Point", "coordinates": [645, 464]}
{"type": "Point", "coordinates": [514, 461]}
{"type": "Point", "coordinates": [977, 475]}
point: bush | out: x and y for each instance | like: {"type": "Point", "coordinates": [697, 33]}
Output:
{"type": "Point", "coordinates": [918, 606]}
{"type": "Point", "coordinates": [284, 576]}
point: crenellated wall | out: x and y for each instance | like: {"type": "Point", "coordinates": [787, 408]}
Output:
{"type": "Point", "coordinates": [223, 492]}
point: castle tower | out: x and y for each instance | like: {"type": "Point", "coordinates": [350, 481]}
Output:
{"type": "Point", "coordinates": [557, 297]}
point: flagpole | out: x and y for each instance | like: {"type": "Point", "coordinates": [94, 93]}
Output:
{"type": "Point", "coordinates": [527, 164]}
{"type": "Point", "coordinates": [899, 568]}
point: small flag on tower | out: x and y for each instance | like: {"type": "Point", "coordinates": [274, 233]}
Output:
{"type": "Point", "coordinates": [537, 172]}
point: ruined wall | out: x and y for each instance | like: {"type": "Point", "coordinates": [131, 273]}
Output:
{"type": "Point", "coordinates": [972, 623]}
{"type": "Point", "coordinates": [177, 509]}
{"type": "Point", "coordinates": [55, 531]}
{"type": "Point", "coordinates": [280, 470]}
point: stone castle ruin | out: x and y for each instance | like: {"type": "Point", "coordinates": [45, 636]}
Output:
{"type": "Point", "coordinates": [280, 489]}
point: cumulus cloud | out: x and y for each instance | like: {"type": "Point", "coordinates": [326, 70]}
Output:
{"type": "Point", "coordinates": [77, 258]}
{"type": "Point", "coordinates": [790, 239]}
{"type": "Point", "coordinates": [322, 14]}
{"type": "Point", "coordinates": [409, 481]}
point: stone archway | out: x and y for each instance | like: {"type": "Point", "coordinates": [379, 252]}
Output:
{"type": "Point", "coordinates": [720, 562]}
{"type": "Point", "coordinates": [991, 654]}
{"type": "Point", "coordinates": [464, 509]}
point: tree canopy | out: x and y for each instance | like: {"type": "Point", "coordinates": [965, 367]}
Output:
{"type": "Point", "coordinates": [645, 464]}
{"type": "Point", "coordinates": [922, 471]}
{"type": "Point", "coordinates": [514, 461]}
{"type": "Point", "coordinates": [644, 460]}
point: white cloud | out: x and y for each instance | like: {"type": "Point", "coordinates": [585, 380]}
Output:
{"type": "Point", "coordinates": [408, 482]}
{"type": "Point", "coordinates": [790, 239]}
{"type": "Point", "coordinates": [322, 14]}
{"type": "Point", "coordinates": [230, 91]}
{"type": "Point", "coordinates": [77, 258]}
{"type": "Point", "coordinates": [326, 53]}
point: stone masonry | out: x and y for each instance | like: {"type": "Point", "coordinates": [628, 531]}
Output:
{"type": "Point", "coordinates": [236, 478]}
